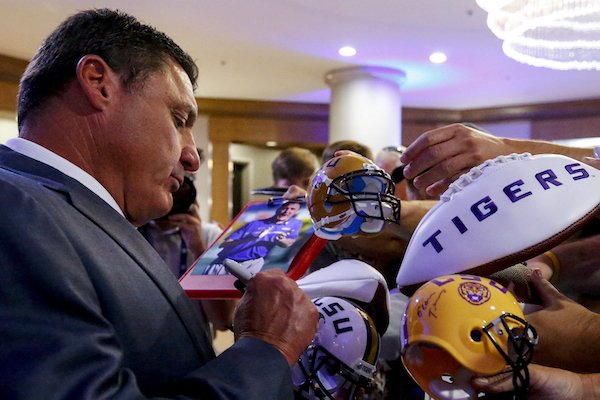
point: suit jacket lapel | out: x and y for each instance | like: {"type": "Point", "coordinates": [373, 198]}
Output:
{"type": "Point", "coordinates": [118, 228]}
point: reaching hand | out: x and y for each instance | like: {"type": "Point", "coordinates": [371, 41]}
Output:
{"type": "Point", "coordinates": [568, 332]}
{"type": "Point", "coordinates": [544, 384]}
{"type": "Point", "coordinates": [594, 162]}
{"type": "Point", "coordinates": [275, 310]}
{"type": "Point", "coordinates": [293, 192]}
{"type": "Point", "coordinates": [437, 157]}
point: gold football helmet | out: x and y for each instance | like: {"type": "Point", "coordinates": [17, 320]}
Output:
{"type": "Point", "coordinates": [350, 195]}
{"type": "Point", "coordinates": [459, 326]}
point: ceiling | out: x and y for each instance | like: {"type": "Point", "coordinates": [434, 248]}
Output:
{"type": "Point", "coordinates": [280, 50]}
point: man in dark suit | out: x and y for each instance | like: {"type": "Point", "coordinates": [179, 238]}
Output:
{"type": "Point", "coordinates": [88, 310]}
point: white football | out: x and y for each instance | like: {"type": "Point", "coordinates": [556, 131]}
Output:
{"type": "Point", "coordinates": [502, 212]}
{"type": "Point", "coordinates": [354, 280]}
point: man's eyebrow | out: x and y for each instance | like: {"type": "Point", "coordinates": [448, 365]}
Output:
{"type": "Point", "coordinates": [190, 109]}
{"type": "Point", "coordinates": [192, 113]}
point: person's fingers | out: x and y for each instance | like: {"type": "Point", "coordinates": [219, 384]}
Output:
{"type": "Point", "coordinates": [594, 162]}
{"type": "Point", "coordinates": [444, 172]}
{"type": "Point", "coordinates": [425, 141]}
{"type": "Point", "coordinates": [340, 153]}
{"type": "Point", "coordinates": [499, 383]}
{"type": "Point", "coordinates": [195, 210]}
{"type": "Point", "coordinates": [290, 329]}
{"type": "Point", "coordinates": [431, 163]}
{"type": "Point", "coordinates": [547, 293]}
{"type": "Point", "coordinates": [179, 221]}
{"type": "Point", "coordinates": [293, 192]}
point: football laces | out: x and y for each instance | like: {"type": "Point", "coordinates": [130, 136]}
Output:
{"type": "Point", "coordinates": [468, 177]}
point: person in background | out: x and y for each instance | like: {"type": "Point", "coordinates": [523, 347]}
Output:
{"type": "Point", "coordinates": [350, 145]}
{"type": "Point", "coordinates": [388, 159]}
{"type": "Point", "coordinates": [293, 166]}
{"type": "Point", "coordinates": [180, 237]}
{"type": "Point", "coordinates": [383, 252]}
{"type": "Point", "coordinates": [386, 256]}
{"type": "Point", "coordinates": [87, 307]}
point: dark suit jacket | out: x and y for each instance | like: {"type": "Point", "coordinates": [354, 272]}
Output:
{"type": "Point", "coordinates": [88, 310]}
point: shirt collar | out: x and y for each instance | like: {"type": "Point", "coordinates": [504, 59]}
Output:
{"type": "Point", "coordinates": [43, 155]}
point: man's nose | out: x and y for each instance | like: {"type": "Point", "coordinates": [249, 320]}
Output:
{"type": "Point", "coordinates": [189, 155]}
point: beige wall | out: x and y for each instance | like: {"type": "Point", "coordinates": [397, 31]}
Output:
{"type": "Point", "coordinates": [8, 126]}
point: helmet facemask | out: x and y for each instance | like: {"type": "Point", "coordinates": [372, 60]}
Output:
{"type": "Point", "coordinates": [521, 339]}
{"type": "Point", "coordinates": [369, 196]}
{"type": "Point", "coordinates": [324, 376]}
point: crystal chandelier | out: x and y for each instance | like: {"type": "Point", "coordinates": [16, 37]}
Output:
{"type": "Point", "coordinates": [557, 34]}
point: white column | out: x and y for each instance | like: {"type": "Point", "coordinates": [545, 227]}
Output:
{"type": "Point", "coordinates": [365, 105]}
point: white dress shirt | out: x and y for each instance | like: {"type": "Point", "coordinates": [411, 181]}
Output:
{"type": "Point", "coordinates": [43, 155]}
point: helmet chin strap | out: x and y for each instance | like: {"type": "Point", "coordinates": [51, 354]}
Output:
{"type": "Point", "coordinates": [372, 225]}
{"type": "Point", "coordinates": [331, 219]}
{"type": "Point", "coordinates": [335, 233]}
{"type": "Point", "coordinates": [375, 225]}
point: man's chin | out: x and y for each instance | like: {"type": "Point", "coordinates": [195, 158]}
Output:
{"type": "Point", "coordinates": [155, 213]}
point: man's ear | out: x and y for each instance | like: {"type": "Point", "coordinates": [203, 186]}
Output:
{"type": "Point", "coordinates": [97, 80]}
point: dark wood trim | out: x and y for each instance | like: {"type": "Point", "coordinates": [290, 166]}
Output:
{"type": "Point", "coordinates": [8, 96]}
{"type": "Point", "coordinates": [429, 116]}
{"type": "Point", "coordinates": [558, 110]}
{"type": "Point", "coordinates": [259, 130]}
{"type": "Point", "coordinates": [263, 109]}
{"type": "Point", "coordinates": [11, 68]}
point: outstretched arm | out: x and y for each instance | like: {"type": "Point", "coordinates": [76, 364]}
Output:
{"type": "Point", "coordinates": [568, 332]}
{"type": "Point", "coordinates": [546, 384]}
{"type": "Point", "coordinates": [575, 265]}
{"type": "Point", "coordinates": [437, 157]}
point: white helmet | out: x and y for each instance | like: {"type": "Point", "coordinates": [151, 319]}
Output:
{"type": "Point", "coordinates": [342, 355]}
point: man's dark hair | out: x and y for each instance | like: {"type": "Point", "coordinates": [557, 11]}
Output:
{"type": "Point", "coordinates": [352, 145]}
{"type": "Point", "coordinates": [294, 163]}
{"type": "Point", "coordinates": [129, 47]}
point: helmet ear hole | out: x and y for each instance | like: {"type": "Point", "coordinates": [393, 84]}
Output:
{"type": "Point", "coordinates": [476, 335]}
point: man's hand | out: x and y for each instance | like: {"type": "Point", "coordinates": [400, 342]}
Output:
{"type": "Point", "coordinates": [293, 192]}
{"type": "Point", "coordinates": [275, 310]}
{"type": "Point", "coordinates": [544, 384]}
{"type": "Point", "coordinates": [437, 157]}
{"type": "Point", "coordinates": [594, 162]}
{"type": "Point", "coordinates": [568, 332]}
{"type": "Point", "coordinates": [543, 263]}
